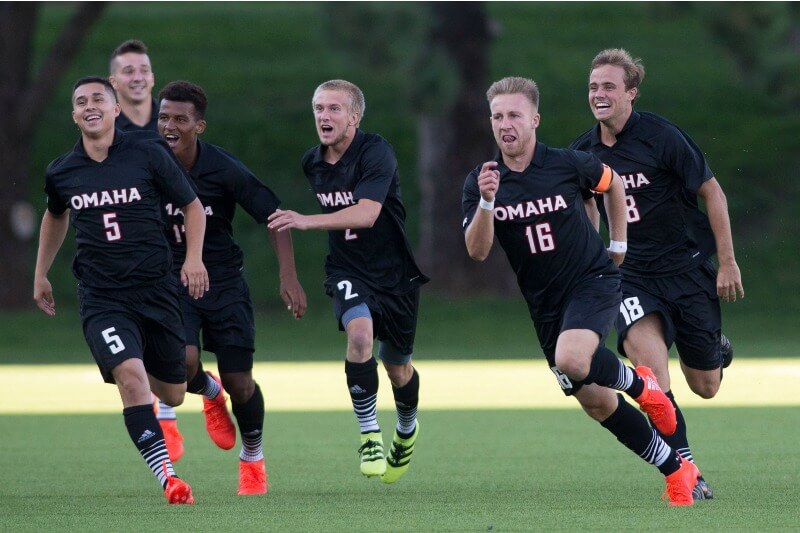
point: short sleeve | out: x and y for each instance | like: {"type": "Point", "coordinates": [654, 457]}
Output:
{"type": "Point", "coordinates": [593, 174]}
{"type": "Point", "coordinates": [256, 198]}
{"type": "Point", "coordinates": [470, 198]}
{"type": "Point", "coordinates": [685, 159]}
{"type": "Point", "coordinates": [169, 178]}
{"type": "Point", "coordinates": [378, 167]}
{"type": "Point", "coordinates": [55, 202]}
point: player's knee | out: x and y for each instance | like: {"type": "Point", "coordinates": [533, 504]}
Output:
{"type": "Point", "coordinates": [706, 388]}
{"type": "Point", "coordinates": [359, 345]}
{"type": "Point", "coordinates": [573, 364]}
{"type": "Point", "coordinates": [239, 387]}
{"type": "Point", "coordinates": [172, 396]}
{"type": "Point", "coordinates": [399, 375]}
{"type": "Point", "coordinates": [599, 408]}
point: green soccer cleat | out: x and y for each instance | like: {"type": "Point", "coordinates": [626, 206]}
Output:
{"type": "Point", "coordinates": [371, 451]}
{"type": "Point", "coordinates": [399, 456]}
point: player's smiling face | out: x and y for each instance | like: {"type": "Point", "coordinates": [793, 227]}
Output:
{"type": "Point", "coordinates": [94, 109]}
{"type": "Point", "coordinates": [609, 101]}
{"type": "Point", "coordinates": [514, 121]}
{"type": "Point", "coordinates": [179, 124]}
{"type": "Point", "coordinates": [335, 122]}
{"type": "Point", "coordinates": [133, 77]}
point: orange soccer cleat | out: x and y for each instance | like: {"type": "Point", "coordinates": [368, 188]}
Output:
{"type": "Point", "coordinates": [252, 478]}
{"type": "Point", "coordinates": [655, 403]}
{"type": "Point", "coordinates": [680, 485]}
{"type": "Point", "coordinates": [218, 421]}
{"type": "Point", "coordinates": [173, 439]}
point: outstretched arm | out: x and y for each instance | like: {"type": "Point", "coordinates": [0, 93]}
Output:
{"type": "Point", "coordinates": [729, 278]}
{"type": "Point", "coordinates": [362, 215]}
{"type": "Point", "coordinates": [292, 292]}
{"type": "Point", "coordinates": [51, 237]}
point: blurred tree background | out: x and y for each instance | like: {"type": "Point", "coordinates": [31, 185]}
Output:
{"type": "Point", "coordinates": [725, 72]}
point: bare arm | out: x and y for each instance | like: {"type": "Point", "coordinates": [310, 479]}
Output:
{"type": "Point", "coordinates": [590, 205]}
{"type": "Point", "coordinates": [480, 232]}
{"type": "Point", "coordinates": [51, 236]}
{"type": "Point", "coordinates": [292, 292]}
{"type": "Point", "coordinates": [729, 278]}
{"type": "Point", "coordinates": [616, 209]}
{"type": "Point", "coordinates": [362, 215]}
{"type": "Point", "coordinates": [193, 272]}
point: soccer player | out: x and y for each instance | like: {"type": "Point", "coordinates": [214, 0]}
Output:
{"type": "Point", "coordinates": [132, 78]}
{"type": "Point", "coordinates": [112, 186]}
{"type": "Point", "coordinates": [531, 198]}
{"type": "Point", "coordinates": [371, 273]}
{"type": "Point", "coordinates": [131, 74]}
{"type": "Point", "coordinates": [225, 314]}
{"type": "Point", "coordinates": [670, 287]}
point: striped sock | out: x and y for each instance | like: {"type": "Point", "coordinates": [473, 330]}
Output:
{"type": "Point", "coordinates": [406, 399]}
{"type": "Point", "coordinates": [146, 434]}
{"type": "Point", "coordinates": [362, 382]}
{"type": "Point", "coordinates": [250, 419]}
{"type": "Point", "coordinates": [165, 412]}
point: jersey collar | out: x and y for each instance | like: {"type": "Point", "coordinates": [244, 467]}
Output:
{"type": "Point", "coordinates": [118, 137]}
{"type": "Point", "coordinates": [539, 155]}
{"type": "Point", "coordinates": [630, 124]}
{"type": "Point", "coordinates": [348, 155]}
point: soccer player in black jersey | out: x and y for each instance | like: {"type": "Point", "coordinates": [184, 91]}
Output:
{"type": "Point", "coordinates": [531, 198]}
{"type": "Point", "coordinates": [132, 78]}
{"type": "Point", "coordinates": [670, 287]}
{"type": "Point", "coordinates": [225, 314]}
{"type": "Point", "coordinates": [112, 185]}
{"type": "Point", "coordinates": [371, 273]}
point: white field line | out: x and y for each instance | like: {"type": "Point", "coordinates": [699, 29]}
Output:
{"type": "Point", "coordinates": [503, 384]}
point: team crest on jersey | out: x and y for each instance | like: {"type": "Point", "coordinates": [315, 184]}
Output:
{"type": "Point", "coordinates": [634, 181]}
{"type": "Point", "coordinates": [103, 198]}
{"type": "Point", "coordinates": [335, 199]}
{"type": "Point", "coordinates": [530, 208]}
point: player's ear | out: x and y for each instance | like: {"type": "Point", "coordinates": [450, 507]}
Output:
{"type": "Point", "coordinates": [355, 118]}
{"type": "Point", "coordinates": [200, 127]}
{"type": "Point", "coordinates": [535, 120]}
{"type": "Point", "coordinates": [632, 93]}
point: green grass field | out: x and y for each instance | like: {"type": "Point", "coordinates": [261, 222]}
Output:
{"type": "Point", "coordinates": [513, 470]}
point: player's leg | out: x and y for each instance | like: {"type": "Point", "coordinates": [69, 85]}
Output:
{"type": "Point", "coordinates": [361, 369]}
{"type": "Point", "coordinates": [631, 429]}
{"type": "Point", "coordinates": [396, 331]}
{"type": "Point", "coordinates": [581, 355]}
{"type": "Point", "coordinates": [112, 330]}
{"type": "Point", "coordinates": [247, 401]}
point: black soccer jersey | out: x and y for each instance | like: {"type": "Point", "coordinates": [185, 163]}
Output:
{"type": "Point", "coordinates": [379, 256]}
{"type": "Point", "coordinates": [541, 224]}
{"type": "Point", "coordinates": [662, 169]}
{"type": "Point", "coordinates": [124, 123]}
{"type": "Point", "coordinates": [116, 209]}
{"type": "Point", "coordinates": [221, 182]}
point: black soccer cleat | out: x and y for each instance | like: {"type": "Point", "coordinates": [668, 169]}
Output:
{"type": "Point", "coordinates": [725, 350]}
{"type": "Point", "coordinates": [701, 490]}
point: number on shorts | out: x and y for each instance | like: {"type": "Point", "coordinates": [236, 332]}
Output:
{"type": "Point", "coordinates": [562, 378]}
{"type": "Point", "coordinates": [347, 287]}
{"type": "Point", "coordinates": [631, 310]}
{"type": "Point", "coordinates": [114, 342]}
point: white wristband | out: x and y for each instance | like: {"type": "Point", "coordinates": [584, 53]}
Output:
{"type": "Point", "coordinates": [618, 247]}
{"type": "Point", "coordinates": [489, 206]}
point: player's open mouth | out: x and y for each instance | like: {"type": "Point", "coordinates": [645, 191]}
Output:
{"type": "Point", "coordinates": [171, 139]}
{"type": "Point", "coordinates": [92, 118]}
{"type": "Point", "coordinates": [326, 128]}
{"type": "Point", "coordinates": [602, 105]}
{"type": "Point", "coordinates": [509, 138]}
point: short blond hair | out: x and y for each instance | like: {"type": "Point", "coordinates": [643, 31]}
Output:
{"type": "Point", "coordinates": [515, 85]}
{"type": "Point", "coordinates": [357, 102]}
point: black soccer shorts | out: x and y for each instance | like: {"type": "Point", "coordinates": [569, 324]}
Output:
{"type": "Point", "coordinates": [593, 305]}
{"type": "Point", "coordinates": [142, 322]}
{"type": "Point", "coordinates": [394, 317]}
{"type": "Point", "coordinates": [689, 309]}
{"type": "Point", "coordinates": [225, 317]}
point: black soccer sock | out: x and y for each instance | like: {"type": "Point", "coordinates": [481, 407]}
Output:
{"type": "Point", "coordinates": [632, 430]}
{"type": "Point", "coordinates": [250, 418]}
{"type": "Point", "coordinates": [146, 434]}
{"type": "Point", "coordinates": [678, 440]}
{"type": "Point", "coordinates": [203, 384]}
{"type": "Point", "coordinates": [362, 382]}
{"type": "Point", "coordinates": [406, 399]}
{"type": "Point", "coordinates": [609, 371]}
